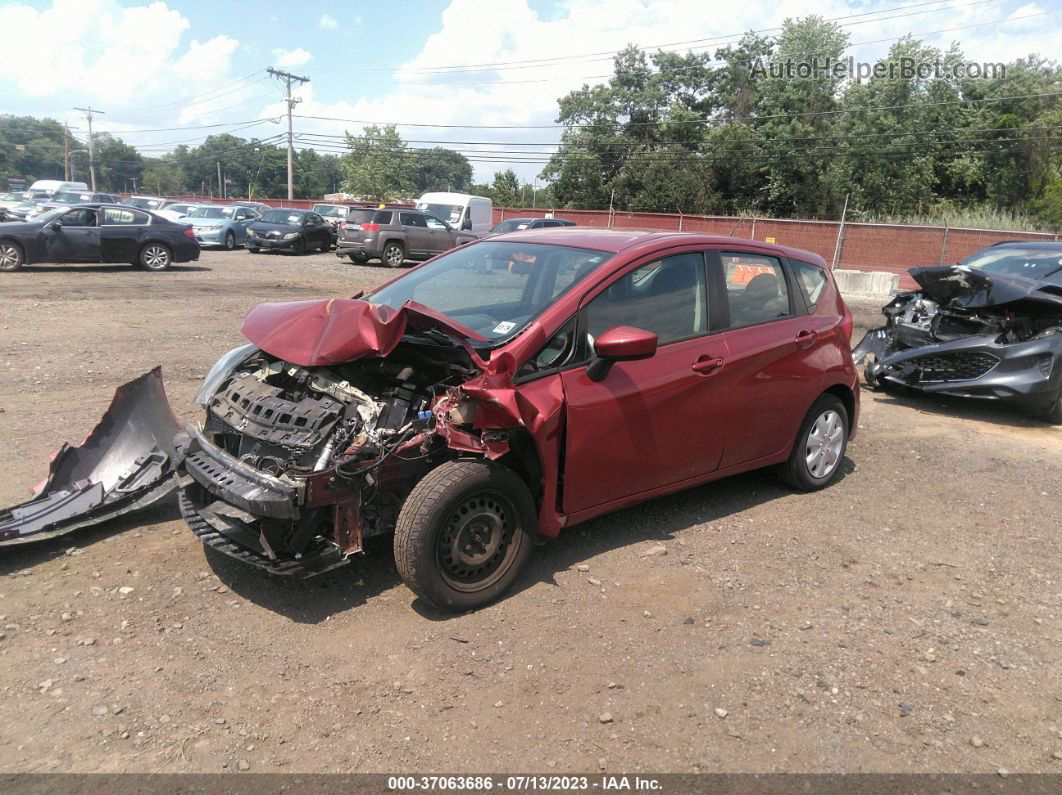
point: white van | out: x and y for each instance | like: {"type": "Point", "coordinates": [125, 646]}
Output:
{"type": "Point", "coordinates": [468, 213]}
{"type": "Point", "coordinates": [54, 186]}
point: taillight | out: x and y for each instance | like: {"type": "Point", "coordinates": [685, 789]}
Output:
{"type": "Point", "coordinates": [847, 324]}
{"type": "Point", "coordinates": [342, 224]}
{"type": "Point", "coordinates": [188, 232]}
{"type": "Point", "coordinates": [371, 227]}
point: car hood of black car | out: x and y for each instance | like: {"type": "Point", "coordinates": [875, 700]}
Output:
{"type": "Point", "coordinates": [970, 288]}
{"type": "Point", "coordinates": [262, 226]}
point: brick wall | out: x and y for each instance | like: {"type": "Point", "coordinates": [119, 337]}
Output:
{"type": "Point", "coordinates": [868, 247]}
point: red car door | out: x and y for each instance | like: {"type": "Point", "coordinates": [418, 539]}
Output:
{"type": "Point", "coordinates": [653, 422]}
{"type": "Point", "coordinates": [773, 350]}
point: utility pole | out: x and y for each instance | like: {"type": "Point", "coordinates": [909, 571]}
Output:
{"type": "Point", "coordinates": [66, 152]}
{"type": "Point", "coordinates": [288, 78]}
{"type": "Point", "coordinates": [221, 185]}
{"type": "Point", "coordinates": [92, 147]}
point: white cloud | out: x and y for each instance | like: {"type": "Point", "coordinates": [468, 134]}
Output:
{"type": "Point", "coordinates": [476, 32]}
{"type": "Point", "coordinates": [327, 22]}
{"type": "Point", "coordinates": [286, 59]}
{"type": "Point", "coordinates": [99, 51]}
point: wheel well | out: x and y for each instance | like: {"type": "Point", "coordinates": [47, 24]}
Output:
{"type": "Point", "coordinates": [845, 395]}
{"type": "Point", "coordinates": [522, 459]}
{"type": "Point", "coordinates": [391, 240]}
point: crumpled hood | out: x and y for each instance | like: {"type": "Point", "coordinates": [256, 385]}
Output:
{"type": "Point", "coordinates": [970, 288]}
{"type": "Point", "coordinates": [325, 332]}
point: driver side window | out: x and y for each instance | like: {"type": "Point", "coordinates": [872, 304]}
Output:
{"type": "Point", "coordinates": [667, 297]}
{"type": "Point", "coordinates": [82, 217]}
{"type": "Point", "coordinates": [434, 223]}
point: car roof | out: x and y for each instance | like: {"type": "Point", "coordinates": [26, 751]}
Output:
{"type": "Point", "coordinates": [1048, 245]}
{"type": "Point", "coordinates": [617, 240]}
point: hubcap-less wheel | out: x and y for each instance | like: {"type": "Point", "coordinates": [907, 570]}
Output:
{"type": "Point", "coordinates": [477, 545]}
{"type": "Point", "coordinates": [10, 257]}
{"type": "Point", "coordinates": [156, 257]}
{"type": "Point", "coordinates": [393, 256]}
{"type": "Point", "coordinates": [825, 442]}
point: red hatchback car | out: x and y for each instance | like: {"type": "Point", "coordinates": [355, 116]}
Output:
{"type": "Point", "coordinates": [510, 388]}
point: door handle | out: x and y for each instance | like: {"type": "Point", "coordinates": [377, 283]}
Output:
{"type": "Point", "coordinates": [707, 366]}
{"type": "Point", "coordinates": [805, 339]}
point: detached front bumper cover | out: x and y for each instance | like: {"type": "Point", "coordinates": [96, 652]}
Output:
{"type": "Point", "coordinates": [124, 464]}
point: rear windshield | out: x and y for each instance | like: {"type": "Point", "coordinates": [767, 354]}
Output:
{"type": "Point", "coordinates": [213, 212]}
{"type": "Point", "coordinates": [512, 225]}
{"type": "Point", "coordinates": [1044, 265]}
{"type": "Point", "coordinates": [369, 216]}
{"type": "Point", "coordinates": [331, 210]}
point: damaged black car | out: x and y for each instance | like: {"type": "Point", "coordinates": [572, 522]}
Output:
{"type": "Point", "coordinates": [989, 327]}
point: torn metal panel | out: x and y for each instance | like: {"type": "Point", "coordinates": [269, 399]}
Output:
{"type": "Point", "coordinates": [124, 464]}
{"type": "Point", "coordinates": [316, 333]}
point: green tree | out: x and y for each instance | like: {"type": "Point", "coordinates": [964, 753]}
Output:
{"type": "Point", "coordinates": [440, 169]}
{"type": "Point", "coordinates": [505, 189]}
{"type": "Point", "coordinates": [378, 166]}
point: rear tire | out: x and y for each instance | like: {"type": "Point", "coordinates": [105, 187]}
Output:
{"type": "Point", "coordinates": [464, 533]}
{"type": "Point", "coordinates": [11, 258]}
{"type": "Point", "coordinates": [815, 461]}
{"type": "Point", "coordinates": [393, 255]}
{"type": "Point", "coordinates": [155, 257]}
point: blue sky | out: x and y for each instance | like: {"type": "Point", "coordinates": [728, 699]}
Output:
{"type": "Point", "coordinates": [163, 70]}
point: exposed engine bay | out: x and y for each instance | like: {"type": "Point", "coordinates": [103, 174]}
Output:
{"type": "Point", "coordinates": [290, 459]}
{"type": "Point", "coordinates": [969, 334]}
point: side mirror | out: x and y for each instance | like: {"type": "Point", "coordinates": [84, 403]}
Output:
{"type": "Point", "coordinates": [56, 226]}
{"type": "Point", "coordinates": [620, 344]}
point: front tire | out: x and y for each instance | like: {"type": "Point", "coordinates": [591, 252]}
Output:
{"type": "Point", "coordinates": [230, 241]}
{"type": "Point", "coordinates": [298, 248]}
{"type": "Point", "coordinates": [464, 533]}
{"type": "Point", "coordinates": [393, 255]}
{"type": "Point", "coordinates": [251, 250]}
{"type": "Point", "coordinates": [815, 461]}
{"type": "Point", "coordinates": [155, 257]}
{"type": "Point", "coordinates": [11, 258]}
{"type": "Point", "coordinates": [1051, 413]}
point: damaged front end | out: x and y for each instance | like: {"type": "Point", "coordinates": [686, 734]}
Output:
{"type": "Point", "coordinates": [970, 334]}
{"type": "Point", "coordinates": [316, 432]}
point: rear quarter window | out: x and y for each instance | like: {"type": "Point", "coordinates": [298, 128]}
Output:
{"type": "Point", "coordinates": [812, 280]}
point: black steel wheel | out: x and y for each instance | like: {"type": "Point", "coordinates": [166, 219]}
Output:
{"type": "Point", "coordinates": [464, 534]}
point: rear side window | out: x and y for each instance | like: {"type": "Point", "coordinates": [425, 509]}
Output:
{"type": "Point", "coordinates": [413, 219]}
{"type": "Point", "coordinates": [382, 217]}
{"type": "Point", "coordinates": [755, 288]}
{"type": "Point", "coordinates": [666, 297]}
{"type": "Point", "coordinates": [812, 280]}
{"type": "Point", "coordinates": [113, 216]}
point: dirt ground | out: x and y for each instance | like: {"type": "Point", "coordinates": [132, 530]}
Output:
{"type": "Point", "coordinates": [905, 619]}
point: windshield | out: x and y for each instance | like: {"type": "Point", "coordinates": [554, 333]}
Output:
{"type": "Point", "coordinates": [282, 217]}
{"type": "Point", "coordinates": [180, 208]}
{"type": "Point", "coordinates": [512, 225]}
{"type": "Point", "coordinates": [451, 213]}
{"type": "Point", "coordinates": [1033, 263]}
{"type": "Point", "coordinates": [72, 198]}
{"type": "Point", "coordinates": [213, 212]}
{"type": "Point", "coordinates": [493, 288]}
{"type": "Point", "coordinates": [330, 210]}
{"type": "Point", "coordinates": [143, 204]}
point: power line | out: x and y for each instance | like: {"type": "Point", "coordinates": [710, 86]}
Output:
{"type": "Point", "coordinates": [708, 122]}
{"type": "Point", "coordinates": [176, 102]}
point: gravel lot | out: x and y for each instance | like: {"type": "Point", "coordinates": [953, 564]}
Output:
{"type": "Point", "coordinates": [906, 619]}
